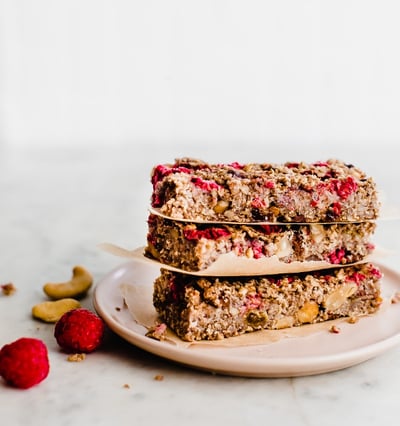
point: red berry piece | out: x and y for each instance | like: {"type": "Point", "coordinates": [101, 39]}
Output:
{"type": "Point", "coordinates": [209, 233]}
{"type": "Point", "coordinates": [205, 185]}
{"type": "Point", "coordinates": [79, 330]}
{"type": "Point", "coordinates": [336, 256]}
{"type": "Point", "coordinates": [24, 363]}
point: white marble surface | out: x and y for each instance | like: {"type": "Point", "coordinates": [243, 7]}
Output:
{"type": "Point", "coordinates": [58, 203]}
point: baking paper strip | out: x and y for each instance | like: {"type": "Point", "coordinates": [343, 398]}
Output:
{"type": "Point", "coordinates": [230, 264]}
{"type": "Point", "coordinates": [387, 213]}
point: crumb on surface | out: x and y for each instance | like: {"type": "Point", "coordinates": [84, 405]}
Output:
{"type": "Point", "coordinates": [76, 357]}
{"type": "Point", "coordinates": [395, 298]}
{"type": "Point", "coordinates": [117, 308]}
{"type": "Point", "coordinates": [8, 289]}
{"type": "Point", "coordinates": [352, 320]}
{"type": "Point", "coordinates": [126, 386]}
{"type": "Point", "coordinates": [334, 329]}
{"type": "Point", "coordinates": [157, 332]}
{"type": "Point", "coordinates": [159, 377]}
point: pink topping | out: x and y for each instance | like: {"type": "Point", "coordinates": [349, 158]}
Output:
{"type": "Point", "coordinates": [357, 277]}
{"type": "Point", "coordinates": [258, 203]}
{"type": "Point", "coordinates": [336, 256]}
{"type": "Point", "coordinates": [269, 184]}
{"type": "Point", "coordinates": [376, 272]}
{"type": "Point", "coordinates": [161, 171]}
{"type": "Point", "coordinates": [316, 193]}
{"type": "Point", "coordinates": [269, 229]}
{"type": "Point", "coordinates": [239, 249]}
{"type": "Point", "coordinates": [236, 165]}
{"type": "Point", "coordinates": [278, 281]}
{"type": "Point", "coordinates": [151, 239]}
{"type": "Point", "coordinates": [205, 185]}
{"type": "Point", "coordinates": [345, 187]}
{"type": "Point", "coordinates": [257, 247]}
{"type": "Point", "coordinates": [160, 329]}
{"type": "Point", "coordinates": [156, 200]}
{"type": "Point", "coordinates": [337, 209]}
{"type": "Point", "coordinates": [252, 301]}
{"type": "Point", "coordinates": [209, 233]}
{"type": "Point", "coordinates": [174, 290]}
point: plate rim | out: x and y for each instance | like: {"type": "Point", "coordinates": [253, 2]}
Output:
{"type": "Point", "coordinates": [201, 358]}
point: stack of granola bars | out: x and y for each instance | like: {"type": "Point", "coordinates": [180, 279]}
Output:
{"type": "Point", "coordinates": [244, 247]}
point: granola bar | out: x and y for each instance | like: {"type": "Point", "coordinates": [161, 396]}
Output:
{"type": "Point", "coordinates": [195, 247]}
{"type": "Point", "coordinates": [210, 308]}
{"type": "Point", "coordinates": [330, 191]}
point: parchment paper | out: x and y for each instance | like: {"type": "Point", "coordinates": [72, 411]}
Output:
{"type": "Point", "coordinates": [231, 265]}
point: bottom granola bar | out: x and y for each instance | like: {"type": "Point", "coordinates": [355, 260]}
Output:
{"type": "Point", "coordinates": [211, 308]}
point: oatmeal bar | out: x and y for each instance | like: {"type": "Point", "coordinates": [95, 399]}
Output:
{"type": "Point", "coordinates": [210, 308]}
{"type": "Point", "coordinates": [330, 191]}
{"type": "Point", "coordinates": [195, 247]}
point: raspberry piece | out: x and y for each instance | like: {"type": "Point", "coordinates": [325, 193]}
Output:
{"type": "Point", "coordinates": [174, 289]}
{"type": "Point", "coordinates": [269, 184]}
{"type": "Point", "coordinates": [258, 203]}
{"type": "Point", "coordinates": [257, 247]}
{"type": "Point", "coordinates": [205, 185]}
{"type": "Point", "coordinates": [79, 330]}
{"type": "Point", "coordinates": [24, 362]}
{"type": "Point", "coordinates": [344, 187]}
{"type": "Point", "coordinates": [270, 229]}
{"type": "Point", "coordinates": [161, 171]}
{"type": "Point", "coordinates": [336, 209]}
{"type": "Point", "coordinates": [236, 165]}
{"type": "Point", "coordinates": [209, 233]}
{"type": "Point", "coordinates": [336, 256]}
{"type": "Point", "coordinates": [357, 277]}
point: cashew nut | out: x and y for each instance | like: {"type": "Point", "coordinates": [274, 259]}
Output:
{"type": "Point", "coordinates": [52, 311]}
{"type": "Point", "coordinates": [308, 312]}
{"type": "Point", "coordinates": [78, 285]}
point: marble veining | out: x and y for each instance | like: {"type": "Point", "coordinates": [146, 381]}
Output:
{"type": "Point", "coordinates": [57, 205]}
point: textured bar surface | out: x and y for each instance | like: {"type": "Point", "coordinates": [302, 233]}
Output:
{"type": "Point", "coordinates": [215, 308]}
{"type": "Point", "coordinates": [194, 247]}
{"type": "Point", "coordinates": [330, 191]}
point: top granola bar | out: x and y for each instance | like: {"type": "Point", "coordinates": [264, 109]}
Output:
{"type": "Point", "coordinates": [330, 191]}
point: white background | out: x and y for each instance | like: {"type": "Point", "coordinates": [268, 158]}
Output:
{"type": "Point", "coordinates": [200, 72]}
{"type": "Point", "coordinates": [94, 93]}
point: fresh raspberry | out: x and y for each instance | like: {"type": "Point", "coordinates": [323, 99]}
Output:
{"type": "Point", "coordinates": [24, 362]}
{"type": "Point", "coordinates": [79, 330]}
